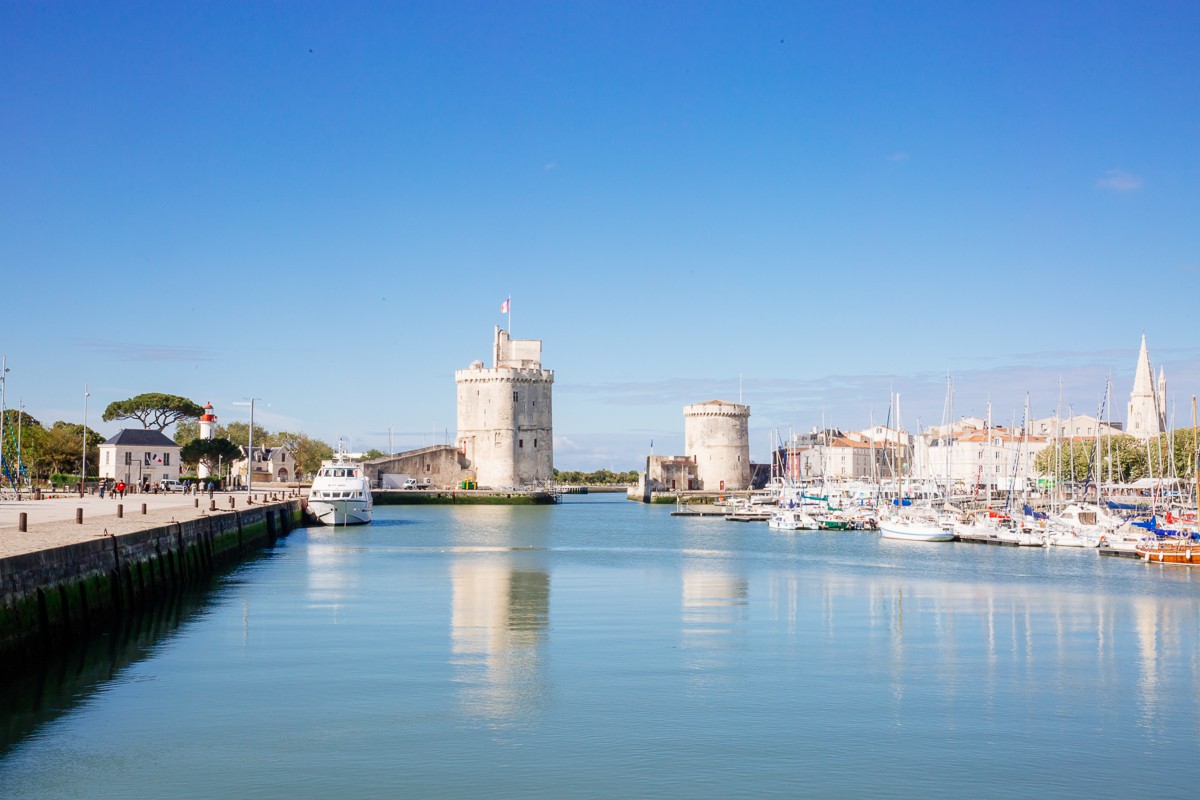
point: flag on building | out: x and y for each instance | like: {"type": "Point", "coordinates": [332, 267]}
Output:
{"type": "Point", "coordinates": [504, 305]}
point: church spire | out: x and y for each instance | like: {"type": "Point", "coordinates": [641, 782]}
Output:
{"type": "Point", "coordinates": [1145, 418]}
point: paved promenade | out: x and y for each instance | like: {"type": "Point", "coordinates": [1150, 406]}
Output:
{"type": "Point", "coordinates": [51, 523]}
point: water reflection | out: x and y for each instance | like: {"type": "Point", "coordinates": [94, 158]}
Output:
{"type": "Point", "coordinates": [500, 618]}
{"type": "Point", "coordinates": [999, 637]}
{"type": "Point", "coordinates": [48, 689]}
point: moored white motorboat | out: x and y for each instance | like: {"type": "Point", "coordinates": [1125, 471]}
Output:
{"type": "Point", "coordinates": [341, 493]}
{"type": "Point", "coordinates": [791, 519]}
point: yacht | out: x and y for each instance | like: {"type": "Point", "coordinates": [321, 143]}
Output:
{"type": "Point", "coordinates": [341, 493]}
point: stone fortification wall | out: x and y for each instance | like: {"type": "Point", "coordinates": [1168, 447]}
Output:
{"type": "Point", "coordinates": [717, 437]}
{"type": "Point", "coordinates": [505, 424]}
{"type": "Point", "coordinates": [52, 596]}
{"type": "Point", "coordinates": [443, 465]}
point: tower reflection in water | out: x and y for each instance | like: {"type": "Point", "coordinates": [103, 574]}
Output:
{"type": "Point", "coordinates": [500, 618]}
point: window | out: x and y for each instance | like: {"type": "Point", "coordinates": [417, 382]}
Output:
{"type": "Point", "coordinates": [166, 459]}
{"type": "Point", "coordinates": [520, 442]}
{"type": "Point", "coordinates": [128, 459]}
{"type": "Point", "coordinates": [515, 398]}
{"type": "Point", "coordinates": [535, 442]}
{"type": "Point", "coordinates": [146, 459]}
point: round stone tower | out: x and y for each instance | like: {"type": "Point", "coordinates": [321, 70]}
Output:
{"type": "Point", "coordinates": [208, 430]}
{"type": "Point", "coordinates": [716, 436]}
{"type": "Point", "coordinates": [505, 415]}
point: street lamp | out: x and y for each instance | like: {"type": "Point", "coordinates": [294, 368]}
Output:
{"type": "Point", "coordinates": [250, 445]}
{"type": "Point", "coordinates": [83, 460]}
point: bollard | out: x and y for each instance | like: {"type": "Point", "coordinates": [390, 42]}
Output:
{"type": "Point", "coordinates": [79, 516]}
{"type": "Point", "coordinates": [212, 505]}
{"type": "Point", "coordinates": [197, 502]}
{"type": "Point", "coordinates": [233, 502]}
{"type": "Point", "coordinates": [23, 522]}
{"type": "Point", "coordinates": [143, 508]}
{"type": "Point", "coordinates": [120, 510]}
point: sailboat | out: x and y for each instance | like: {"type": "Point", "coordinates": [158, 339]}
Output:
{"type": "Point", "coordinates": [902, 520]}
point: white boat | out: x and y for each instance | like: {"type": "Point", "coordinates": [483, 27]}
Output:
{"type": "Point", "coordinates": [915, 528]}
{"type": "Point", "coordinates": [791, 519]}
{"type": "Point", "coordinates": [341, 493]}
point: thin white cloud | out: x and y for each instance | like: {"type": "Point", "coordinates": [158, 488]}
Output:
{"type": "Point", "coordinates": [898, 157]}
{"type": "Point", "coordinates": [1116, 180]}
{"type": "Point", "coordinates": [130, 351]}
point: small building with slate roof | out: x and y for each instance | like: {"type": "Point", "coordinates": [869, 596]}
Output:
{"type": "Point", "coordinates": [271, 465]}
{"type": "Point", "coordinates": [140, 457]}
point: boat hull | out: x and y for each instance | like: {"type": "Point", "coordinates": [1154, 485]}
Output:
{"type": "Point", "coordinates": [904, 530]}
{"type": "Point", "coordinates": [1170, 552]}
{"type": "Point", "coordinates": [340, 512]}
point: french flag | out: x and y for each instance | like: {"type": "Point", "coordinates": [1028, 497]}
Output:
{"type": "Point", "coordinates": [504, 305]}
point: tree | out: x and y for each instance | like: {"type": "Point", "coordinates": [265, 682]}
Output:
{"type": "Point", "coordinates": [210, 452]}
{"type": "Point", "coordinates": [239, 433]}
{"type": "Point", "coordinates": [185, 431]}
{"type": "Point", "coordinates": [62, 448]}
{"type": "Point", "coordinates": [153, 409]}
{"type": "Point", "coordinates": [308, 452]}
{"type": "Point", "coordinates": [373, 453]}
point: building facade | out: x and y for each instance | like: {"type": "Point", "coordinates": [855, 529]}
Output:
{"type": "Point", "coordinates": [140, 457]}
{"type": "Point", "coordinates": [506, 415]}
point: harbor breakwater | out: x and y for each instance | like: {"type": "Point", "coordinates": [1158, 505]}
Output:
{"type": "Point", "coordinates": [53, 596]}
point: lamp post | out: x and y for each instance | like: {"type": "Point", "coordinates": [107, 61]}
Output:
{"type": "Point", "coordinates": [83, 460]}
{"type": "Point", "coordinates": [250, 445]}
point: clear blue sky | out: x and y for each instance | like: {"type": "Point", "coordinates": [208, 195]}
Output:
{"type": "Point", "coordinates": [323, 205]}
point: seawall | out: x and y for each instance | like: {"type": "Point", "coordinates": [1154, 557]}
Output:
{"type": "Point", "coordinates": [53, 596]}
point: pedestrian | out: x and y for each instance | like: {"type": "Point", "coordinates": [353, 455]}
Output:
{"type": "Point", "coordinates": [121, 488]}
{"type": "Point", "coordinates": [101, 490]}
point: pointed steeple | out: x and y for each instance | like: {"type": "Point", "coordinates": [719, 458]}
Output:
{"type": "Point", "coordinates": [1145, 417]}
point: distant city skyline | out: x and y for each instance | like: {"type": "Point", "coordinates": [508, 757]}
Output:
{"type": "Point", "coordinates": [324, 207]}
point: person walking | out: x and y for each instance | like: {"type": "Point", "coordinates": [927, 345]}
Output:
{"type": "Point", "coordinates": [121, 488]}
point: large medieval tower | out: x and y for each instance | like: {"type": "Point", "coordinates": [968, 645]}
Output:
{"type": "Point", "coordinates": [505, 415]}
{"type": "Point", "coordinates": [1147, 411]}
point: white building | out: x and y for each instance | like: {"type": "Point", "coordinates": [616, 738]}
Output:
{"type": "Point", "coordinates": [140, 457]}
{"type": "Point", "coordinates": [506, 415]}
{"type": "Point", "coordinates": [1074, 427]}
{"type": "Point", "coordinates": [999, 459]}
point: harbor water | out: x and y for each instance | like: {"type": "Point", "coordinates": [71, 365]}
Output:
{"type": "Point", "coordinates": [601, 648]}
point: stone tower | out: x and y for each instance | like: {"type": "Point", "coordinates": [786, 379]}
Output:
{"type": "Point", "coordinates": [505, 415]}
{"type": "Point", "coordinates": [716, 435]}
{"type": "Point", "coordinates": [208, 430]}
{"type": "Point", "coordinates": [1146, 417]}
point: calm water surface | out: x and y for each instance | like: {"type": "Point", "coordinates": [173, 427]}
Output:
{"type": "Point", "coordinates": [606, 649]}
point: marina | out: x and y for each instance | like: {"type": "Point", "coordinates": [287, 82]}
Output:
{"type": "Point", "coordinates": [598, 647]}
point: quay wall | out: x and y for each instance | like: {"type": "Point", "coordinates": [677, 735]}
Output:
{"type": "Point", "coordinates": [406, 497]}
{"type": "Point", "coordinates": [48, 598]}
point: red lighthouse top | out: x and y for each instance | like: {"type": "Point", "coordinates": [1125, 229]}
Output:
{"type": "Point", "coordinates": [208, 416]}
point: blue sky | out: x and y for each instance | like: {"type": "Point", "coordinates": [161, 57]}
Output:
{"type": "Point", "coordinates": [323, 205]}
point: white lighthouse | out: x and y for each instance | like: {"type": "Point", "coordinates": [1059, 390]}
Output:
{"type": "Point", "coordinates": [208, 430]}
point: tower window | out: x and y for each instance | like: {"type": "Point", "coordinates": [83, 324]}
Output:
{"type": "Point", "coordinates": [515, 398]}
{"type": "Point", "coordinates": [520, 442]}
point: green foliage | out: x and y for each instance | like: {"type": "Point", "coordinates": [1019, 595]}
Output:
{"type": "Point", "coordinates": [602, 477]}
{"type": "Point", "coordinates": [308, 452]}
{"type": "Point", "coordinates": [239, 433]}
{"type": "Point", "coordinates": [153, 409]}
{"type": "Point", "coordinates": [210, 452]}
{"type": "Point", "coordinates": [373, 453]}
{"type": "Point", "coordinates": [61, 448]}
{"type": "Point", "coordinates": [185, 431]}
